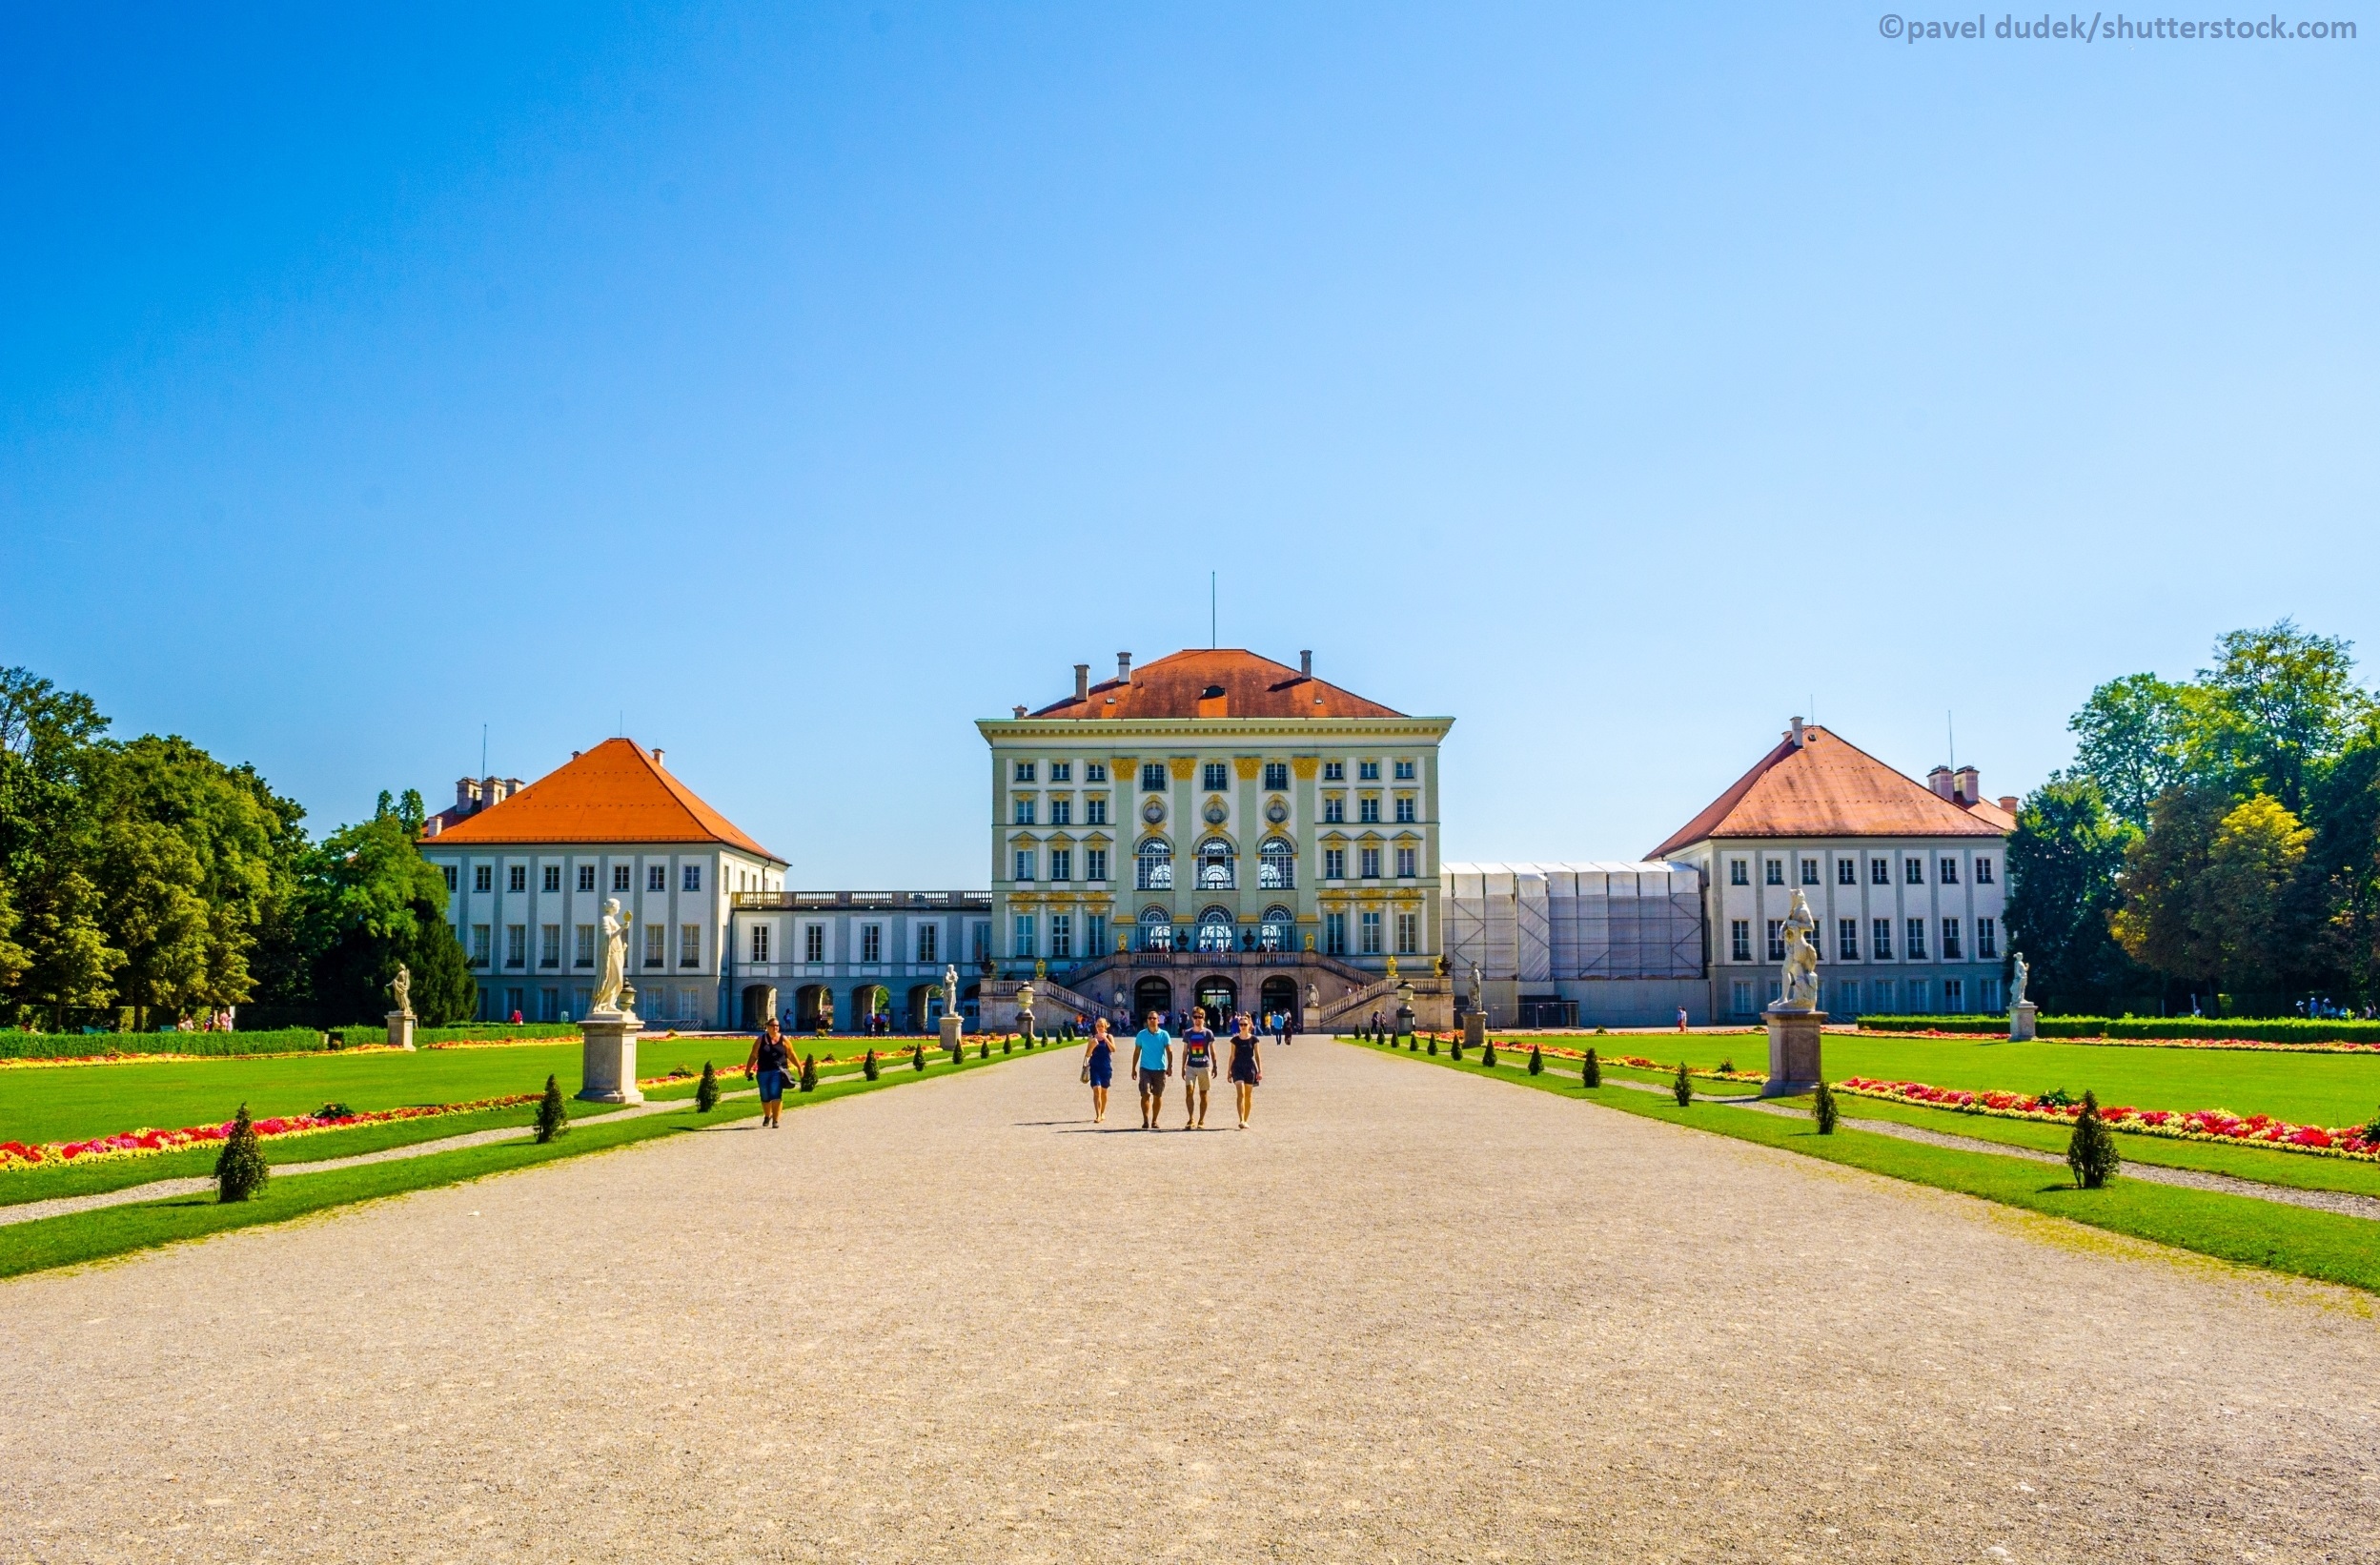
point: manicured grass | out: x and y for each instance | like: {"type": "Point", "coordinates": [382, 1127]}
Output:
{"type": "Point", "coordinates": [96, 1235]}
{"type": "Point", "coordinates": [2232, 1228]}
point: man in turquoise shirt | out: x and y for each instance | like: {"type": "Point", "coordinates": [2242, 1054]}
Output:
{"type": "Point", "coordinates": [1152, 1050]}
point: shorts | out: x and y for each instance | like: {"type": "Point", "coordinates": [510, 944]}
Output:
{"type": "Point", "coordinates": [1201, 1078]}
{"type": "Point", "coordinates": [772, 1085]}
{"type": "Point", "coordinates": [1152, 1083]}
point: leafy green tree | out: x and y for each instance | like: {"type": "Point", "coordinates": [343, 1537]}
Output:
{"type": "Point", "coordinates": [2165, 922]}
{"type": "Point", "coordinates": [2281, 704]}
{"type": "Point", "coordinates": [2131, 738]}
{"type": "Point", "coordinates": [371, 903]}
{"type": "Point", "coordinates": [49, 741]}
{"type": "Point", "coordinates": [240, 1171]}
{"type": "Point", "coordinates": [13, 957]}
{"type": "Point", "coordinates": [2064, 859]}
{"type": "Point", "coordinates": [2339, 887]}
{"type": "Point", "coordinates": [2246, 901]}
{"type": "Point", "coordinates": [2091, 1152]}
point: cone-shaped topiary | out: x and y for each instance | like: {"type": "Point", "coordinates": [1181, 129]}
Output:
{"type": "Point", "coordinates": [917, 1058]}
{"type": "Point", "coordinates": [1591, 1070]}
{"type": "Point", "coordinates": [1537, 1061]}
{"type": "Point", "coordinates": [1824, 1109]}
{"type": "Point", "coordinates": [553, 1119]}
{"type": "Point", "coordinates": [1006, 1043]}
{"type": "Point", "coordinates": [2092, 1154]}
{"type": "Point", "coordinates": [706, 1090]}
{"type": "Point", "coordinates": [241, 1171]}
{"type": "Point", "coordinates": [1487, 1055]}
{"type": "Point", "coordinates": [809, 1072]}
{"type": "Point", "coordinates": [1434, 1043]}
{"type": "Point", "coordinates": [958, 1052]}
{"type": "Point", "coordinates": [983, 1048]}
{"type": "Point", "coordinates": [1682, 1087]}
{"type": "Point", "coordinates": [1454, 1045]}
{"type": "Point", "coordinates": [867, 1066]}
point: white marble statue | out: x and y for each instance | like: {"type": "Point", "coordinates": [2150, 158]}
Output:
{"type": "Point", "coordinates": [2019, 973]}
{"type": "Point", "coordinates": [612, 978]}
{"type": "Point", "coordinates": [950, 989]}
{"type": "Point", "coordinates": [1800, 971]}
{"type": "Point", "coordinates": [401, 989]}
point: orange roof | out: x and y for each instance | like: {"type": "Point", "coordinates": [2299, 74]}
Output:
{"type": "Point", "coordinates": [614, 793]}
{"type": "Point", "coordinates": [1827, 786]}
{"type": "Point", "coordinates": [1250, 686]}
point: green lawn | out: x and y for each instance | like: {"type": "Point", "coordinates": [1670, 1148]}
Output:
{"type": "Point", "coordinates": [2232, 1228]}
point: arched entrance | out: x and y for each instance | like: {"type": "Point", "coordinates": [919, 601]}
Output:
{"type": "Point", "coordinates": [867, 1003]}
{"type": "Point", "coordinates": [924, 1006]}
{"type": "Point", "coordinates": [810, 1002]}
{"type": "Point", "coordinates": [759, 1004]}
{"type": "Point", "coordinates": [1279, 994]}
{"type": "Point", "coordinates": [1220, 996]}
{"type": "Point", "coordinates": [1151, 994]}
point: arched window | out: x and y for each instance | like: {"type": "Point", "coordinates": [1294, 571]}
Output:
{"type": "Point", "coordinates": [1277, 866]}
{"type": "Point", "coordinates": [1156, 929]}
{"type": "Point", "coordinates": [1279, 927]}
{"type": "Point", "coordinates": [1214, 865]}
{"type": "Point", "coordinates": [1215, 930]}
{"type": "Point", "coordinates": [1156, 866]}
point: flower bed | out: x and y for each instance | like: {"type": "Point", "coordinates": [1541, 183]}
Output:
{"type": "Point", "coordinates": [2286, 1035]}
{"type": "Point", "coordinates": [145, 1142]}
{"type": "Point", "coordinates": [2212, 1125]}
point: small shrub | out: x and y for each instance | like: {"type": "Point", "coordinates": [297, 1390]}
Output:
{"type": "Point", "coordinates": [1601, 1032]}
{"type": "Point", "coordinates": [1413, 1044]}
{"type": "Point", "coordinates": [1537, 1061]}
{"type": "Point", "coordinates": [1434, 1043]}
{"type": "Point", "coordinates": [2057, 1097]}
{"type": "Point", "coordinates": [867, 1066]}
{"type": "Point", "coordinates": [1825, 1109]}
{"type": "Point", "coordinates": [958, 1052]}
{"type": "Point", "coordinates": [983, 1048]}
{"type": "Point", "coordinates": [1487, 1055]}
{"type": "Point", "coordinates": [1682, 1088]}
{"type": "Point", "coordinates": [1591, 1072]}
{"type": "Point", "coordinates": [706, 1090]}
{"type": "Point", "coordinates": [2092, 1154]}
{"type": "Point", "coordinates": [1006, 1043]}
{"type": "Point", "coordinates": [1727, 1065]}
{"type": "Point", "coordinates": [553, 1119]}
{"type": "Point", "coordinates": [334, 1111]}
{"type": "Point", "coordinates": [240, 1171]}
{"type": "Point", "coordinates": [809, 1072]}
{"type": "Point", "coordinates": [917, 1058]}
{"type": "Point", "coordinates": [1454, 1045]}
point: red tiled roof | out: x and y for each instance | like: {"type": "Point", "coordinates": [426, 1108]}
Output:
{"type": "Point", "coordinates": [614, 793]}
{"type": "Point", "coordinates": [1252, 687]}
{"type": "Point", "coordinates": [1828, 786]}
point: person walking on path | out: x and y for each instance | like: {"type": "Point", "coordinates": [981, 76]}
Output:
{"type": "Point", "coordinates": [1247, 1064]}
{"type": "Point", "coordinates": [1198, 1071]}
{"type": "Point", "coordinates": [1099, 1069]}
{"type": "Point", "coordinates": [768, 1064]}
{"type": "Point", "coordinates": [1152, 1050]}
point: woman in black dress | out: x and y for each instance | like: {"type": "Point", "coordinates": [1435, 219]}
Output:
{"type": "Point", "coordinates": [1099, 1069]}
{"type": "Point", "coordinates": [769, 1063]}
{"type": "Point", "coordinates": [1247, 1064]}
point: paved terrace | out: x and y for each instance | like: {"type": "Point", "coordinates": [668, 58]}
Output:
{"type": "Point", "coordinates": [1411, 1316]}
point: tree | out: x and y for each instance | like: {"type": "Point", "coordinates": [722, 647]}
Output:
{"type": "Point", "coordinates": [2091, 1152]}
{"type": "Point", "coordinates": [2162, 922]}
{"type": "Point", "coordinates": [2280, 704]}
{"type": "Point", "coordinates": [552, 1117]}
{"type": "Point", "coordinates": [1681, 1087]}
{"type": "Point", "coordinates": [240, 1171]}
{"type": "Point", "coordinates": [2064, 859]}
{"type": "Point", "coordinates": [2339, 885]}
{"type": "Point", "coordinates": [48, 744]}
{"type": "Point", "coordinates": [1825, 1109]}
{"type": "Point", "coordinates": [2246, 899]}
{"type": "Point", "coordinates": [370, 903]}
{"type": "Point", "coordinates": [706, 1090]}
{"type": "Point", "coordinates": [2131, 738]}
{"type": "Point", "coordinates": [1591, 1070]}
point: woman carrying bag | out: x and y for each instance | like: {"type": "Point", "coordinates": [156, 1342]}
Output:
{"type": "Point", "coordinates": [1099, 1069]}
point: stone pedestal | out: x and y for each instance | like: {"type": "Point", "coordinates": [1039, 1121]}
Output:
{"type": "Point", "coordinates": [1475, 1028]}
{"type": "Point", "coordinates": [1404, 1021]}
{"type": "Point", "coordinates": [607, 1067]}
{"type": "Point", "coordinates": [2021, 1022]}
{"type": "Point", "coordinates": [1793, 1051]}
{"type": "Point", "coordinates": [401, 1029]}
{"type": "Point", "coordinates": [953, 1027]}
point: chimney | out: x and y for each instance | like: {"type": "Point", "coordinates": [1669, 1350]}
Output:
{"type": "Point", "coordinates": [491, 792]}
{"type": "Point", "coordinates": [1966, 787]}
{"type": "Point", "coordinates": [656, 755]}
{"type": "Point", "coordinates": [1306, 664]}
{"type": "Point", "coordinates": [1082, 681]}
{"type": "Point", "coordinates": [1214, 703]}
{"type": "Point", "coordinates": [1020, 711]}
{"type": "Point", "coordinates": [433, 826]}
{"type": "Point", "coordinates": [574, 755]}
{"type": "Point", "coordinates": [466, 795]}
{"type": "Point", "coordinates": [1124, 669]}
{"type": "Point", "coordinates": [1938, 780]}
{"type": "Point", "coordinates": [1794, 733]}
{"type": "Point", "coordinates": [2009, 801]}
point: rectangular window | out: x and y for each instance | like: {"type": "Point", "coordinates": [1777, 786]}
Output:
{"type": "Point", "coordinates": [1992, 1001]}
{"type": "Point", "coordinates": [689, 945]}
{"type": "Point", "coordinates": [1333, 810]}
{"type": "Point", "coordinates": [515, 946]}
{"type": "Point", "coordinates": [1368, 771]}
{"type": "Point", "coordinates": [619, 877]}
{"type": "Point", "coordinates": [1407, 862]}
{"type": "Point", "coordinates": [1950, 872]}
{"type": "Point", "coordinates": [1879, 994]}
{"type": "Point", "coordinates": [1879, 931]}
{"type": "Point", "coordinates": [759, 943]}
{"type": "Point", "coordinates": [1739, 940]}
{"type": "Point", "coordinates": [448, 870]}
{"type": "Point", "coordinates": [1913, 870]}
{"type": "Point", "coordinates": [1408, 934]}
{"type": "Point", "coordinates": [1334, 934]}
{"type": "Point", "coordinates": [1094, 933]}
{"type": "Point", "coordinates": [1987, 938]}
{"type": "Point", "coordinates": [1739, 997]}
{"type": "Point", "coordinates": [1023, 945]}
{"type": "Point", "coordinates": [516, 878]}
{"type": "Point", "coordinates": [1152, 777]}
{"type": "Point", "coordinates": [583, 946]}
{"type": "Point", "coordinates": [1094, 863]}
{"type": "Point", "coordinates": [1776, 873]}
{"type": "Point", "coordinates": [1023, 811]}
{"type": "Point", "coordinates": [814, 942]}
{"type": "Point", "coordinates": [1405, 811]}
{"type": "Point", "coordinates": [1334, 771]}
{"type": "Point", "coordinates": [1776, 939]}
{"type": "Point", "coordinates": [1880, 872]}
{"type": "Point", "coordinates": [1983, 871]}
{"type": "Point", "coordinates": [1915, 950]}
{"type": "Point", "coordinates": [553, 880]}
{"type": "Point", "coordinates": [586, 877]}
{"type": "Point", "coordinates": [482, 878]}
{"type": "Point", "coordinates": [1738, 872]}
{"type": "Point", "coordinates": [1277, 776]}
{"type": "Point", "coordinates": [657, 877]}
{"type": "Point", "coordinates": [1062, 771]}
{"type": "Point", "coordinates": [655, 945]}
{"type": "Point", "coordinates": [1367, 810]}
{"type": "Point", "coordinates": [1847, 872]}
{"type": "Point", "coordinates": [1921, 997]}
{"type": "Point", "coordinates": [1061, 864]}
{"type": "Point", "coordinates": [1022, 772]}
{"type": "Point", "coordinates": [1095, 810]}
{"type": "Point", "coordinates": [1062, 812]}
{"type": "Point", "coordinates": [1334, 864]}
{"type": "Point", "coordinates": [549, 945]}
{"type": "Point", "coordinates": [1848, 940]}
{"type": "Point", "coordinates": [549, 1005]}
{"type": "Point", "coordinates": [1217, 778]}
{"type": "Point", "coordinates": [1367, 860]}
{"type": "Point", "coordinates": [980, 933]}
{"type": "Point", "coordinates": [1024, 865]}
{"type": "Point", "coordinates": [1847, 997]}
{"type": "Point", "coordinates": [1368, 929]}
{"type": "Point", "coordinates": [693, 880]}
{"type": "Point", "coordinates": [1953, 996]}
{"type": "Point", "coordinates": [871, 943]}
{"type": "Point", "coordinates": [479, 945]}
{"type": "Point", "coordinates": [1950, 940]}
{"type": "Point", "coordinates": [1809, 872]}
{"type": "Point", "coordinates": [1404, 771]}
{"type": "Point", "coordinates": [1062, 934]}
{"type": "Point", "coordinates": [928, 936]}
{"type": "Point", "coordinates": [1094, 771]}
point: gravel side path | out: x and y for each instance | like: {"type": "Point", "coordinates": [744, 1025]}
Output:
{"type": "Point", "coordinates": [1411, 1315]}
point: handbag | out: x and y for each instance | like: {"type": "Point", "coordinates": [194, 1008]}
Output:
{"type": "Point", "coordinates": [1086, 1071]}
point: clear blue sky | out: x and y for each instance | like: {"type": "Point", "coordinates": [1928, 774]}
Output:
{"type": "Point", "coordinates": [805, 382]}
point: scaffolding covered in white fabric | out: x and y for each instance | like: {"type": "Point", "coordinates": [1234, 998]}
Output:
{"type": "Point", "coordinates": [1556, 922]}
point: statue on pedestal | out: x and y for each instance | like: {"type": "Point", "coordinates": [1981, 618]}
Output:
{"type": "Point", "coordinates": [1800, 970]}
{"type": "Point", "coordinates": [950, 989]}
{"type": "Point", "coordinates": [401, 989]}
{"type": "Point", "coordinates": [2018, 972]}
{"type": "Point", "coordinates": [612, 977]}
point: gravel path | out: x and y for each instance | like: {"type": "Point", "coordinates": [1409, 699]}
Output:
{"type": "Point", "coordinates": [1412, 1315]}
